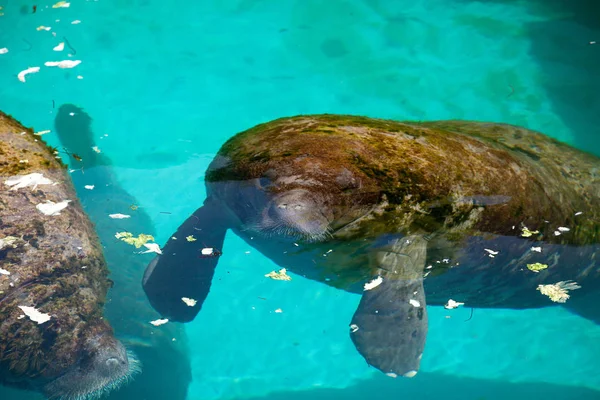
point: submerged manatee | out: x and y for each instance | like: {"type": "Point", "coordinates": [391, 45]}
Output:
{"type": "Point", "coordinates": [51, 263]}
{"type": "Point", "coordinates": [167, 370]}
{"type": "Point", "coordinates": [416, 211]}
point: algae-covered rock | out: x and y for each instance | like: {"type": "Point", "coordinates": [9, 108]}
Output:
{"type": "Point", "coordinates": [53, 337]}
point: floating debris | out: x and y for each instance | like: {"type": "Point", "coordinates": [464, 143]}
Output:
{"type": "Point", "coordinates": [89, 187]}
{"type": "Point", "coordinates": [59, 47]}
{"type": "Point", "coordinates": [96, 149]}
{"type": "Point", "coordinates": [40, 133]}
{"type": "Point", "coordinates": [279, 276]}
{"type": "Point", "coordinates": [451, 304]}
{"type": "Point", "coordinates": [557, 233]}
{"type": "Point", "coordinates": [63, 64]}
{"type": "Point", "coordinates": [188, 301]}
{"type": "Point", "coordinates": [353, 328]}
{"type": "Point", "coordinates": [61, 4]}
{"type": "Point", "coordinates": [8, 241]}
{"type": "Point", "coordinates": [159, 322]}
{"type": "Point", "coordinates": [279, 311]}
{"type": "Point", "coordinates": [492, 252]}
{"type": "Point", "coordinates": [30, 70]}
{"type": "Point", "coordinates": [4, 272]}
{"type": "Point", "coordinates": [563, 229]}
{"type": "Point", "coordinates": [558, 292]}
{"type": "Point", "coordinates": [152, 248]}
{"type": "Point", "coordinates": [578, 213]}
{"type": "Point", "coordinates": [118, 216]}
{"type": "Point", "coordinates": [414, 303]}
{"type": "Point", "coordinates": [527, 233]}
{"type": "Point", "coordinates": [76, 22]}
{"type": "Point", "coordinates": [3, 50]}
{"type": "Point", "coordinates": [538, 249]}
{"type": "Point", "coordinates": [52, 208]}
{"type": "Point", "coordinates": [33, 179]}
{"type": "Point", "coordinates": [374, 283]}
{"type": "Point", "coordinates": [191, 238]}
{"type": "Point", "coordinates": [43, 28]}
{"type": "Point", "coordinates": [138, 242]}
{"type": "Point", "coordinates": [537, 267]}
{"type": "Point", "coordinates": [35, 315]}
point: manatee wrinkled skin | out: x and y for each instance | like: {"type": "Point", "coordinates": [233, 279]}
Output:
{"type": "Point", "coordinates": [55, 264]}
{"type": "Point", "coordinates": [422, 211]}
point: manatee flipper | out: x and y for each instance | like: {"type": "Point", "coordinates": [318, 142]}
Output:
{"type": "Point", "coordinates": [182, 270]}
{"type": "Point", "coordinates": [389, 327]}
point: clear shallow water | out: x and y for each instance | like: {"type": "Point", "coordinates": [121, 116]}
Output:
{"type": "Point", "coordinates": [170, 82]}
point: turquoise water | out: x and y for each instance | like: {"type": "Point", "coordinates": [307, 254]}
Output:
{"type": "Point", "coordinates": [166, 83]}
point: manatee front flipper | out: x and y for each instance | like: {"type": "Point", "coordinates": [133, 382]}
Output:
{"type": "Point", "coordinates": [182, 270]}
{"type": "Point", "coordinates": [389, 327]}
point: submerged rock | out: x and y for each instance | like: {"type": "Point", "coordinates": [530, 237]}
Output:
{"type": "Point", "coordinates": [53, 337]}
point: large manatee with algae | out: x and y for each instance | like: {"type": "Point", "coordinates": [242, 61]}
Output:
{"type": "Point", "coordinates": [404, 213]}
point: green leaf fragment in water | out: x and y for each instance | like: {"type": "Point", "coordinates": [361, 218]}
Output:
{"type": "Point", "coordinates": [138, 242]}
{"type": "Point", "coordinates": [537, 267]}
{"type": "Point", "coordinates": [528, 233]}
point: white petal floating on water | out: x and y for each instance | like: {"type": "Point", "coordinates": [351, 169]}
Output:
{"type": "Point", "coordinates": [79, 77]}
{"type": "Point", "coordinates": [538, 249]}
{"type": "Point", "coordinates": [451, 304]}
{"type": "Point", "coordinates": [43, 28]}
{"type": "Point", "coordinates": [40, 133]}
{"type": "Point", "coordinates": [4, 272]}
{"type": "Point", "coordinates": [89, 187]}
{"type": "Point", "coordinates": [579, 213]}
{"type": "Point", "coordinates": [563, 229]}
{"type": "Point", "coordinates": [118, 216]}
{"type": "Point", "coordinates": [96, 149]}
{"type": "Point", "coordinates": [159, 322]}
{"type": "Point", "coordinates": [279, 311]}
{"type": "Point", "coordinates": [33, 179]}
{"type": "Point", "coordinates": [492, 253]}
{"type": "Point", "coordinates": [414, 303]}
{"type": "Point", "coordinates": [76, 22]}
{"type": "Point", "coordinates": [556, 233]}
{"type": "Point", "coordinates": [61, 4]}
{"type": "Point", "coordinates": [3, 50]}
{"type": "Point", "coordinates": [374, 283]}
{"type": "Point", "coordinates": [207, 251]}
{"type": "Point", "coordinates": [35, 315]}
{"type": "Point", "coordinates": [59, 47]}
{"type": "Point", "coordinates": [353, 328]}
{"type": "Point", "coordinates": [63, 64]}
{"type": "Point", "coordinates": [188, 301]}
{"type": "Point", "coordinates": [391, 374]}
{"type": "Point", "coordinates": [52, 208]}
{"type": "Point", "coordinates": [30, 70]}
{"type": "Point", "coordinates": [152, 248]}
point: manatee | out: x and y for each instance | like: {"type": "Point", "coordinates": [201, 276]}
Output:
{"type": "Point", "coordinates": [53, 279]}
{"type": "Point", "coordinates": [405, 214]}
{"type": "Point", "coordinates": [167, 369]}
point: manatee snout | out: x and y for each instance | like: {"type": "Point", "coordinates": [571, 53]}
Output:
{"type": "Point", "coordinates": [298, 212]}
{"type": "Point", "coordinates": [103, 364]}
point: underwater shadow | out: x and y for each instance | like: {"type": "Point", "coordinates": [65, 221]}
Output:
{"type": "Point", "coordinates": [433, 386]}
{"type": "Point", "coordinates": [166, 370]}
{"type": "Point", "coordinates": [565, 50]}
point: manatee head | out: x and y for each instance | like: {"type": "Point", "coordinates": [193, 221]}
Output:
{"type": "Point", "coordinates": [100, 364]}
{"type": "Point", "coordinates": [301, 199]}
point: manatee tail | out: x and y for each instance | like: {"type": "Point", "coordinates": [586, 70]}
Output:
{"type": "Point", "coordinates": [390, 326]}
{"type": "Point", "coordinates": [186, 266]}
